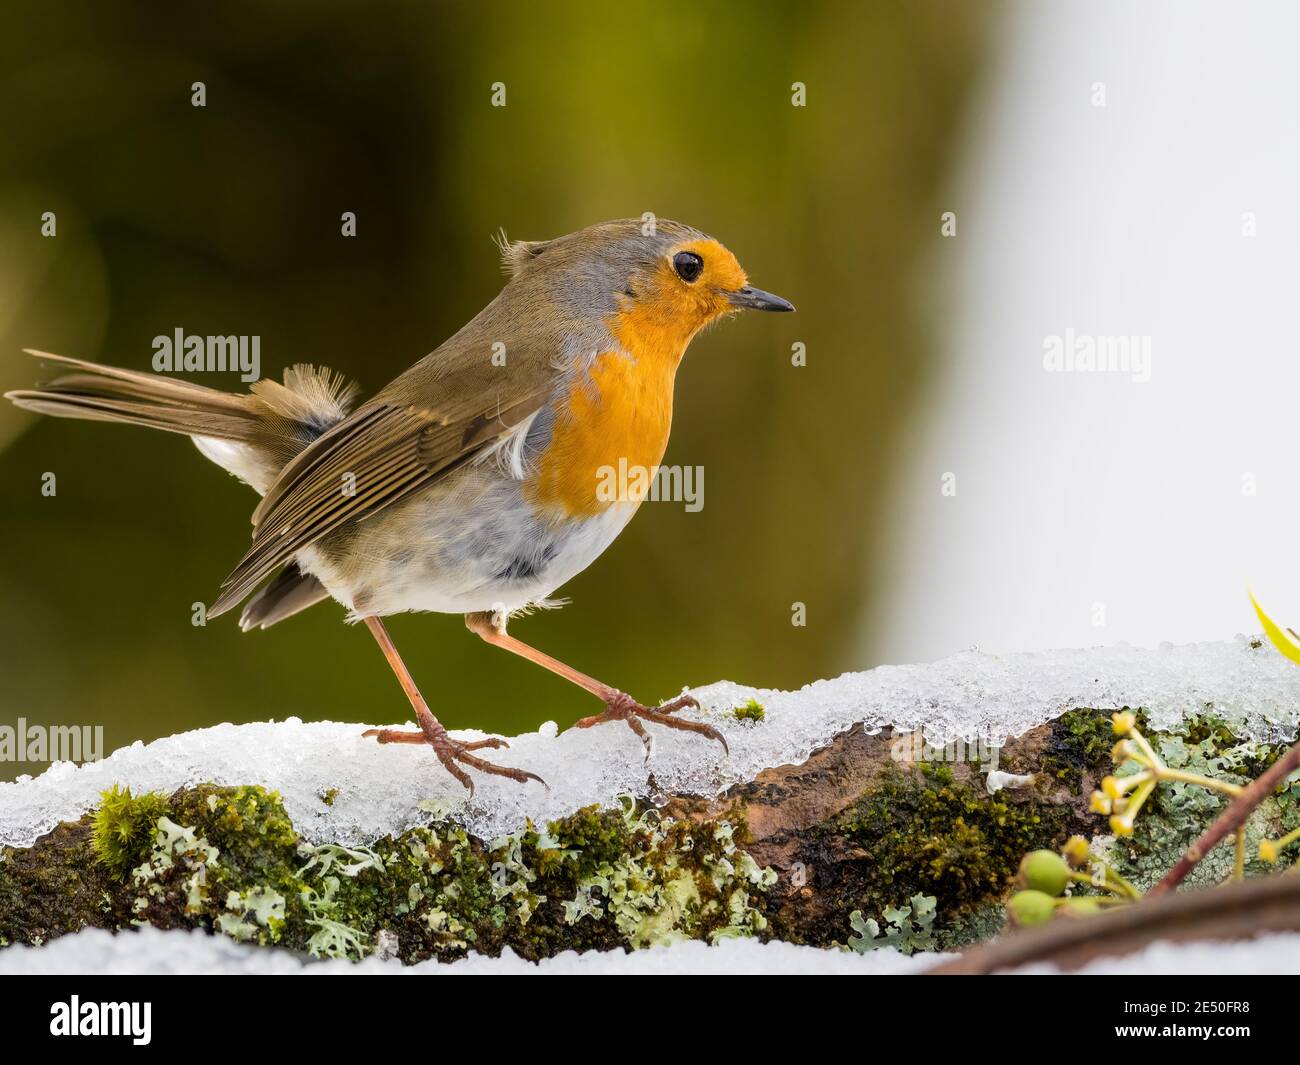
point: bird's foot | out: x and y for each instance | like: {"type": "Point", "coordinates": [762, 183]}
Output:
{"type": "Point", "coordinates": [395, 735]}
{"type": "Point", "coordinates": [622, 707]}
{"type": "Point", "coordinates": [450, 752]}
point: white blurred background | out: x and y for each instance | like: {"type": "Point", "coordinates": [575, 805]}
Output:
{"type": "Point", "coordinates": [1085, 498]}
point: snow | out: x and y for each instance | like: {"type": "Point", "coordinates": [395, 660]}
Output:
{"type": "Point", "coordinates": [386, 789]}
{"type": "Point", "coordinates": [150, 950]}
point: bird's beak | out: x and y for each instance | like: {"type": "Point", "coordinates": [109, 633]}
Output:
{"type": "Point", "coordinates": [757, 300]}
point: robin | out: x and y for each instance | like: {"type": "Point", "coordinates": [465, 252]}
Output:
{"type": "Point", "coordinates": [476, 482]}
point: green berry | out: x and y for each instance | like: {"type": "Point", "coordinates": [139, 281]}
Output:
{"type": "Point", "coordinates": [1083, 906]}
{"type": "Point", "coordinates": [1044, 871]}
{"type": "Point", "coordinates": [1029, 908]}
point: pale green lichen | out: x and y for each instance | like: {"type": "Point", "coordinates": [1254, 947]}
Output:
{"type": "Point", "coordinates": [255, 914]}
{"type": "Point", "coordinates": [180, 856]}
{"type": "Point", "coordinates": [654, 898]}
{"type": "Point", "coordinates": [228, 859]}
{"type": "Point", "coordinates": [330, 938]}
{"type": "Point", "coordinates": [333, 939]}
{"type": "Point", "coordinates": [349, 860]}
{"type": "Point", "coordinates": [907, 928]}
{"type": "Point", "coordinates": [1178, 812]}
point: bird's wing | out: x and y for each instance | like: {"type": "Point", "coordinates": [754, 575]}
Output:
{"type": "Point", "coordinates": [432, 419]}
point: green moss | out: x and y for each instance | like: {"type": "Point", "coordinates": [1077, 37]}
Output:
{"type": "Point", "coordinates": [920, 832]}
{"type": "Point", "coordinates": [1204, 727]}
{"type": "Point", "coordinates": [57, 887]}
{"type": "Point", "coordinates": [238, 820]}
{"type": "Point", "coordinates": [1079, 743]}
{"type": "Point", "coordinates": [752, 710]}
{"type": "Point", "coordinates": [124, 828]}
{"type": "Point", "coordinates": [590, 838]}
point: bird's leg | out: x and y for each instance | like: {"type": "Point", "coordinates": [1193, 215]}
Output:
{"type": "Point", "coordinates": [449, 751]}
{"type": "Point", "coordinates": [619, 705]}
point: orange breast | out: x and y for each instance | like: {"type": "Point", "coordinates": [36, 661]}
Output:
{"type": "Point", "coordinates": [612, 428]}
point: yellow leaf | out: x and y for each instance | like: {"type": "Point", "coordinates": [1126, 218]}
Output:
{"type": "Point", "coordinates": [1278, 637]}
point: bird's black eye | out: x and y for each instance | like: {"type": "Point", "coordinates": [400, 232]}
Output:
{"type": "Point", "coordinates": [688, 265]}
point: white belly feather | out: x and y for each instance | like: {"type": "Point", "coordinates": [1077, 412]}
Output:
{"type": "Point", "coordinates": [468, 543]}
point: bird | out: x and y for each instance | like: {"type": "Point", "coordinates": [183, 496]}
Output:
{"type": "Point", "coordinates": [472, 483]}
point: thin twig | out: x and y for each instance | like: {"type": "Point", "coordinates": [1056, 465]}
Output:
{"type": "Point", "coordinates": [1234, 816]}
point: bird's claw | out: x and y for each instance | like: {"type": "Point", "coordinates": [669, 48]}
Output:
{"type": "Point", "coordinates": [622, 707]}
{"type": "Point", "coordinates": [450, 752]}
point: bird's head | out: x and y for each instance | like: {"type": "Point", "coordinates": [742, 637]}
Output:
{"type": "Point", "coordinates": [658, 277]}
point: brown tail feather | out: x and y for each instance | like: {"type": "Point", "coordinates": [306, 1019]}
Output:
{"type": "Point", "coordinates": [279, 420]}
{"type": "Point", "coordinates": [191, 422]}
{"type": "Point", "coordinates": [275, 421]}
{"type": "Point", "coordinates": [110, 394]}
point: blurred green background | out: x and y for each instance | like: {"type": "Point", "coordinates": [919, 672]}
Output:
{"type": "Point", "coordinates": [225, 220]}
